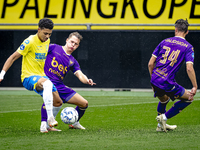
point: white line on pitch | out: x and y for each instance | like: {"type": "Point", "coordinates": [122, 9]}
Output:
{"type": "Point", "coordinates": [1, 112]}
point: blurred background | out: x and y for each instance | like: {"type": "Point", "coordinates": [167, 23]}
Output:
{"type": "Point", "coordinates": [119, 36]}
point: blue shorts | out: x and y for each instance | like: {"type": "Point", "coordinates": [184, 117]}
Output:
{"type": "Point", "coordinates": [30, 84]}
{"type": "Point", "coordinates": [176, 92]}
{"type": "Point", "coordinates": [65, 92]}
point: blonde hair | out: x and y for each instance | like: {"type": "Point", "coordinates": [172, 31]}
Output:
{"type": "Point", "coordinates": [76, 34]}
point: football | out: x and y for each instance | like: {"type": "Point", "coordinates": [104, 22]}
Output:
{"type": "Point", "coordinates": [69, 115]}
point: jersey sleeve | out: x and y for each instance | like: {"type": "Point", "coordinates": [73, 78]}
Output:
{"type": "Point", "coordinates": [189, 57]}
{"type": "Point", "coordinates": [75, 67]}
{"type": "Point", "coordinates": [24, 47]}
{"type": "Point", "coordinates": [157, 50]}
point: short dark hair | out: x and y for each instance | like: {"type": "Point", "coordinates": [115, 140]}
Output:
{"type": "Point", "coordinates": [76, 34]}
{"type": "Point", "coordinates": [182, 25]}
{"type": "Point", "coordinates": [46, 23]}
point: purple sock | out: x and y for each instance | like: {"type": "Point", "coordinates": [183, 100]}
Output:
{"type": "Point", "coordinates": [81, 111]}
{"type": "Point", "coordinates": [176, 108]}
{"type": "Point", "coordinates": [161, 109]}
{"type": "Point", "coordinates": [43, 113]}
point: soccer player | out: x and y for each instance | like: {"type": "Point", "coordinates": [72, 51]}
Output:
{"type": "Point", "coordinates": [34, 50]}
{"type": "Point", "coordinates": [58, 63]}
{"type": "Point", "coordinates": [165, 62]}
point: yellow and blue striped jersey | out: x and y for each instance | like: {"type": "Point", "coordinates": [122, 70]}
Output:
{"type": "Point", "coordinates": [34, 54]}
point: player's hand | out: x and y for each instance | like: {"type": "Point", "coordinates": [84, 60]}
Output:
{"type": "Point", "coordinates": [192, 93]}
{"type": "Point", "coordinates": [90, 82]}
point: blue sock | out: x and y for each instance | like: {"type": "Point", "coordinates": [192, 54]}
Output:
{"type": "Point", "coordinates": [161, 109]}
{"type": "Point", "coordinates": [177, 108]}
{"type": "Point", "coordinates": [81, 111]}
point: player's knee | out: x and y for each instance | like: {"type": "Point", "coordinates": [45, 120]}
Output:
{"type": "Point", "coordinates": [59, 103]}
{"type": "Point", "coordinates": [85, 105]}
{"type": "Point", "coordinates": [56, 99]}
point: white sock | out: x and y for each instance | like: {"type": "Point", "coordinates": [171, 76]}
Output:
{"type": "Point", "coordinates": [56, 110]}
{"type": "Point", "coordinates": [164, 117]}
{"type": "Point", "coordinates": [43, 123]}
{"type": "Point", "coordinates": [48, 97]}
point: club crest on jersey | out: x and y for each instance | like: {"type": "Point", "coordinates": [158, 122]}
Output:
{"type": "Point", "coordinates": [71, 63]}
{"type": "Point", "coordinates": [34, 78]}
{"type": "Point", "coordinates": [22, 47]}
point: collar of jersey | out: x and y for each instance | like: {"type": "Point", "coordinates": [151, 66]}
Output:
{"type": "Point", "coordinates": [180, 37]}
{"type": "Point", "coordinates": [65, 51]}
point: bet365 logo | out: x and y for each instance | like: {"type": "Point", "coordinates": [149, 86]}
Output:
{"type": "Point", "coordinates": [60, 67]}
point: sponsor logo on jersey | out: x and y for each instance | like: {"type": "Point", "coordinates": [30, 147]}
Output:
{"type": "Point", "coordinates": [40, 56]}
{"type": "Point", "coordinates": [192, 55]}
{"type": "Point", "coordinates": [26, 42]}
{"type": "Point", "coordinates": [22, 47]}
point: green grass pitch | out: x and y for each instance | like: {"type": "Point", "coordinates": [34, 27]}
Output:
{"type": "Point", "coordinates": [113, 121]}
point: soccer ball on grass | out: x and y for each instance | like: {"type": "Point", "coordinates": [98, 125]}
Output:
{"type": "Point", "coordinates": [69, 115]}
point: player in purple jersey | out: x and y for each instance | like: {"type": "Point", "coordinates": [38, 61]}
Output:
{"type": "Point", "coordinates": [59, 62]}
{"type": "Point", "coordinates": [165, 62]}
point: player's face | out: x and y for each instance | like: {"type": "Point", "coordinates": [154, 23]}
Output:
{"type": "Point", "coordinates": [72, 44]}
{"type": "Point", "coordinates": [44, 34]}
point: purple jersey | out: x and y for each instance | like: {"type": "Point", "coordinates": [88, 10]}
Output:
{"type": "Point", "coordinates": [170, 55]}
{"type": "Point", "coordinates": [58, 63]}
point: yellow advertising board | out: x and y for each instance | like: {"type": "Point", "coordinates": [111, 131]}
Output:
{"type": "Point", "coordinates": [99, 14]}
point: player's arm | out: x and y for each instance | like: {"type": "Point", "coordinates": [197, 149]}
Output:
{"type": "Point", "coordinates": [83, 78]}
{"type": "Point", "coordinates": [192, 76]}
{"type": "Point", "coordinates": [9, 63]}
{"type": "Point", "coordinates": [151, 64]}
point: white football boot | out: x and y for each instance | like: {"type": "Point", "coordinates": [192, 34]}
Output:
{"type": "Point", "coordinates": [52, 122]}
{"type": "Point", "coordinates": [168, 127]}
{"type": "Point", "coordinates": [162, 122]}
{"type": "Point", "coordinates": [76, 125]}
{"type": "Point", "coordinates": [43, 127]}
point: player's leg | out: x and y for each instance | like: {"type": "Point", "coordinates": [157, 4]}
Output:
{"type": "Point", "coordinates": [161, 109]}
{"type": "Point", "coordinates": [177, 93]}
{"type": "Point", "coordinates": [179, 105]}
{"type": "Point", "coordinates": [82, 105]}
{"type": "Point", "coordinates": [57, 104]}
{"type": "Point", "coordinates": [39, 84]}
{"type": "Point", "coordinates": [46, 86]}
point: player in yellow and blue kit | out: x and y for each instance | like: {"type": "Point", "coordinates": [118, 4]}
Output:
{"type": "Point", "coordinates": [34, 51]}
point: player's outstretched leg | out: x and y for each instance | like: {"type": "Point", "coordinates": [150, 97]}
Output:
{"type": "Point", "coordinates": [177, 108]}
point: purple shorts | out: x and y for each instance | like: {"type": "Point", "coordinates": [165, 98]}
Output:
{"type": "Point", "coordinates": [65, 92]}
{"type": "Point", "coordinates": [176, 92]}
